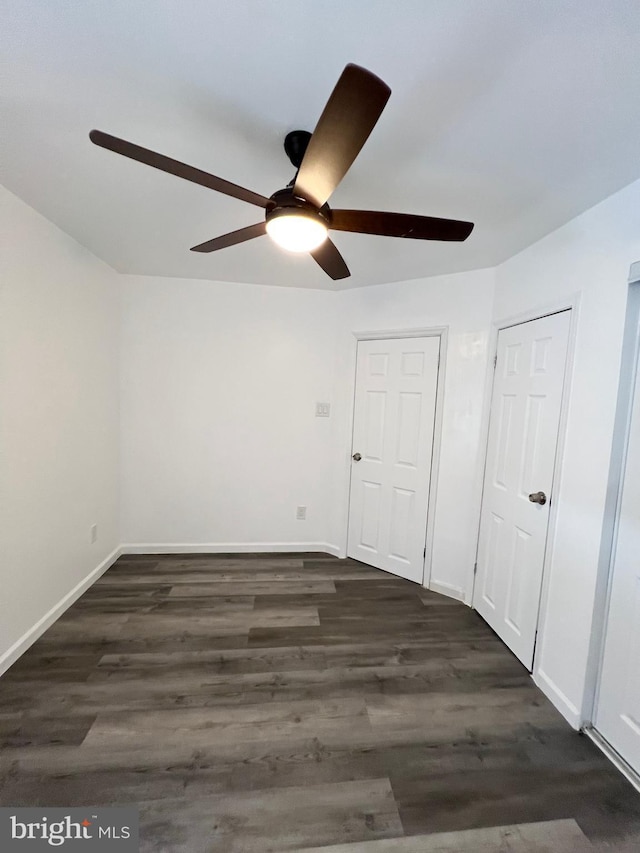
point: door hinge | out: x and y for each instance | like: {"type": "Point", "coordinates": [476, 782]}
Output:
{"type": "Point", "coordinates": [495, 361]}
{"type": "Point", "coordinates": [424, 553]}
{"type": "Point", "coordinates": [475, 569]}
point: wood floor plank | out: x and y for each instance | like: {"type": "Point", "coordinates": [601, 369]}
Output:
{"type": "Point", "coordinates": [340, 632]}
{"type": "Point", "coordinates": [478, 798]}
{"type": "Point", "coordinates": [215, 605]}
{"type": "Point", "coordinates": [457, 658]}
{"type": "Point", "coordinates": [212, 724]}
{"type": "Point", "coordinates": [107, 787]}
{"type": "Point", "coordinates": [190, 687]}
{"type": "Point", "coordinates": [194, 576]}
{"type": "Point", "coordinates": [557, 836]}
{"type": "Point", "coordinates": [273, 820]}
{"type": "Point", "coordinates": [216, 623]}
{"type": "Point", "coordinates": [211, 564]}
{"type": "Point", "coordinates": [48, 728]}
{"type": "Point", "coordinates": [40, 664]}
{"type": "Point", "coordinates": [161, 643]}
{"type": "Point", "coordinates": [454, 711]}
{"type": "Point", "coordinates": [260, 589]}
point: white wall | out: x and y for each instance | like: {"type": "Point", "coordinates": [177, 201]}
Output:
{"type": "Point", "coordinates": [59, 317]}
{"type": "Point", "coordinates": [589, 256]}
{"type": "Point", "coordinates": [463, 303]}
{"type": "Point", "coordinates": [220, 442]}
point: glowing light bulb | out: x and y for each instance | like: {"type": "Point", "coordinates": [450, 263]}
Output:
{"type": "Point", "coordinates": [296, 232]}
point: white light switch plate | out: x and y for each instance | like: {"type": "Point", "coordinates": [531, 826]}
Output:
{"type": "Point", "coordinates": [323, 410]}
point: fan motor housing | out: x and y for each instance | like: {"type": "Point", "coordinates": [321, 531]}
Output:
{"type": "Point", "coordinates": [284, 203]}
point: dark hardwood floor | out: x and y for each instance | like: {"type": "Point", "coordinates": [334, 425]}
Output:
{"type": "Point", "coordinates": [287, 702]}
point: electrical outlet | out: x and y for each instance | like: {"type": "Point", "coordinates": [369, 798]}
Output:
{"type": "Point", "coordinates": [301, 513]}
{"type": "Point", "coordinates": [94, 533]}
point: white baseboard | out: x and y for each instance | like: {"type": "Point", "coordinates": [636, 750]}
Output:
{"type": "Point", "coordinates": [334, 550]}
{"type": "Point", "coordinates": [29, 637]}
{"type": "Point", "coordinates": [447, 589]}
{"type": "Point", "coordinates": [226, 547]}
{"type": "Point", "coordinates": [613, 756]}
{"type": "Point", "coordinates": [556, 696]}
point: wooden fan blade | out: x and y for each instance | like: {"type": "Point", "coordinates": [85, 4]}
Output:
{"type": "Point", "coordinates": [331, 261]}
{"type": "Point", "coordinates": [232, 238]}
{"type": "Point", "coordinates": [175, 167]}
{"type": "Point", "coordinates": [400, 225]}
{"type": "Point", "coordinates": [354, 107]}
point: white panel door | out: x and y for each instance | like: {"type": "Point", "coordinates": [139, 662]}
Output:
{"type": "Point", "coordinates": [618, 711]}
{"type": "Point", "coordinates": [394, 417]}
{"type": "Point", "coordinates": [523, 434]}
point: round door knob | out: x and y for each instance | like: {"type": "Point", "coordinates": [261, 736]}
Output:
{"type": "Point", "coordinates": [538, 498]}
{"type": "Point", "coordinates": [357, 457]}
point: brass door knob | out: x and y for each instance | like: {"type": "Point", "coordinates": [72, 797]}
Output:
{"type": "Point", "coordinates": [538, 498]}
{"type": "Point", "coordinates": [357, 457]}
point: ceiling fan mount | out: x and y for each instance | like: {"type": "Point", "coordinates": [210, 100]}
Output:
{"type": "Point", "coordinates": [295, 145]}
{"type": "Point", "coordinates": [298, 217]}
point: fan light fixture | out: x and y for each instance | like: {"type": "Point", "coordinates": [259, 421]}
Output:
{"type": "Point", "coordinates": [296, 232]}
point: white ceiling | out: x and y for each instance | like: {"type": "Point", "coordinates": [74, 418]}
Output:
{"type": "Point", "coordinates": [515, 114]}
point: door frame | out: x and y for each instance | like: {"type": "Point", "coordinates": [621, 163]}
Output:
{"type": "Point", "coordinates": [629, 365]}
{"type": "Point", "coordinates": [441, 332]}
{"type": "Point", "coordinates": [569, 303]}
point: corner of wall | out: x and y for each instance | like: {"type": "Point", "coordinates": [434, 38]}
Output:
{"type": "Point", "coordinates": [11, 655]}
{"type": "Point", "coordinates": [561, 702]}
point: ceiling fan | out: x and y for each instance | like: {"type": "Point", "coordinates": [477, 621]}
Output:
{"type": "Point", "coordinates": [298, 217]}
